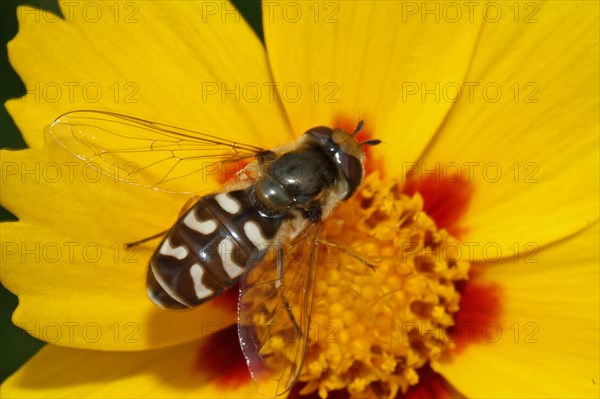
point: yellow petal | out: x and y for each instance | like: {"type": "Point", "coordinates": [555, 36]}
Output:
{"type": "Point", "coordinates": [546, 342]}
{"type": "Point", "coordinates": [531, 153]}
{"type": "Point", "coordinates": [177, 372]}
{"type": "Point", "coordinates": [169, 61]}
{"type": "Point", "coordinates": [65, 260]}
{"type": "Point", "coordinates": [337, 60]}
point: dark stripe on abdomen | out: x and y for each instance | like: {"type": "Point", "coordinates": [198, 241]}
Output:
{"type": "Point", "coordinates": [208, 249]}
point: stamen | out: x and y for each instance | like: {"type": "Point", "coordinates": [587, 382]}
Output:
{"type": "Point", "coordinates": [377, 328]}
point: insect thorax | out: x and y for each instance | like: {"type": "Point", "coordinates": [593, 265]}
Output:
{"type": "Point", "coordinates": [299, 183]}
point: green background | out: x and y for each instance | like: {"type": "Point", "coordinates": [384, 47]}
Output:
{"type": "Point", "coordinates": [16, 346]}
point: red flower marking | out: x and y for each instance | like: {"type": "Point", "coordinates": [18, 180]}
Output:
{"type": "Point", "coordinates": [221, 358]}
{"type": "Point", "coordinates": [295, 393]}
{"type": "Point", "coordinates": [226, 173]}
{"type": "Point", "coordinates": [228, 300]}
{"type": "Point", "coordinates": [371, 162]}
{"type": "Point", "coordinates": [445, 198]}
{"type": "Point", "coordinates": [431, 385]}
{"type": "Point", "coordinates": [480, 309]}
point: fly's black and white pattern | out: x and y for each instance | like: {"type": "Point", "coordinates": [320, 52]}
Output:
{"type": "Point", "coordinates": [208, 249]}
{"type": "Point", "coordinates": [222, 238]}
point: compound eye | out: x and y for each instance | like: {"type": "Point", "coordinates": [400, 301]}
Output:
{"type": "Point", "coordinates": [321, 134]}
{"type": "Point", "coordinates": [353, 170]}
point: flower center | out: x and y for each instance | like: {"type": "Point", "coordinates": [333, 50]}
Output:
{"type": "Point", "coordinates": [372, 329]}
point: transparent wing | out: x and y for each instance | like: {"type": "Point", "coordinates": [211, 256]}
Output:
{"type": "Point", "coordinates": [274, 314]}
{"type": "Point", "coordinates": [149, 154]}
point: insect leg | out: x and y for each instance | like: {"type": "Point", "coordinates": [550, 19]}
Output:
{"type": "Point", "coordinates": [186, 207]}
{"type": "Point", "coordinates": [143, 240]}
{"type": "Point", "coordinates": [313, 212]}
{"type": "Point", "coordinates": [350, 253]}
{"type": "Point", "coordinates": [279, 283]}
{"type": "Point", "coordinates": [266, 156]}
{"type": "Point", "coordinates": [281, 290]}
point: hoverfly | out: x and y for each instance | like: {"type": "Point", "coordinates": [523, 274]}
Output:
{"type": "Point", "coordinates": [281, 197]}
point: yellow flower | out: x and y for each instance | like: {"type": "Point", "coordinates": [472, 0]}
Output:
{"type": "Point", "coordinates": [488, 113]}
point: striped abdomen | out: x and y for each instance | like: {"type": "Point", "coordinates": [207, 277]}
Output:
{"type": "Point", "coordinates": [209, 248]}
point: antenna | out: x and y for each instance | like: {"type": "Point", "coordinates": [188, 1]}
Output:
{"type": "Point", "coordinates": [370, 142]}
{"type": "Point", "coordinates": [359, 127]}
